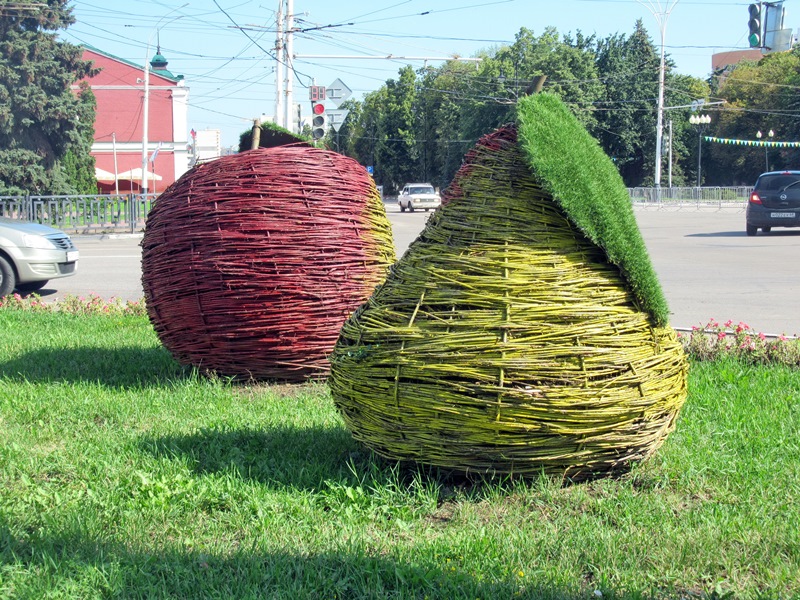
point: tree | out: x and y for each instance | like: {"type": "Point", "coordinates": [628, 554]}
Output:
{"type": "Point", "coordinates": [628, 67]}
{"type": "Point", "coordinates": [443, 95]}
{"type": "Point", "coordinates": [78, 163]}
{"type": "Point", "coordinates": [270, 136]}
{"type": "Point", "coordinates": [362, 128]}
{"type": "Point", "coordinates": [760, 96]}
{"type": "Point", "coordinates": [41, 119]}
{"type": "Point", "coordinates": [396, 149]}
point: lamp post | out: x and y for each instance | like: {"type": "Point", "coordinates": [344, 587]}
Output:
{"type": "Point", "coordinates": [771, 134]}
{"type": "Point", "coordinates": [661, 14]}
{"type": "Point", "coordinates": [701, 121]}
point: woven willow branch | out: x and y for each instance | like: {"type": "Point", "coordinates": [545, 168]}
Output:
{"type": "Point", "coordinates": [504, 342]}
{"type": "Point", "coordinates": [252, 262]}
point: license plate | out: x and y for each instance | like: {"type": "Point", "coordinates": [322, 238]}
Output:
{"type": "Point", "coordinates": [783, 215]}
{"type": "Point", "coordinates": [72, 256]}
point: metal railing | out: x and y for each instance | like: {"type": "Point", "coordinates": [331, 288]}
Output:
{"type": "Point", "coordinates": [81, 214]}
{"type": "Point", "coordinates": [697, 197]}
{"type": "Point", "coordinates": [100, 213]}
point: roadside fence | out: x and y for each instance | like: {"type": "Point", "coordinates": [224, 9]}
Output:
{"type": "Point", "coordinates": [101, 213]}
{"type": "Point", "coordinates": [690, 197]}
{"type": "Point", "coordinates": [81, 214]}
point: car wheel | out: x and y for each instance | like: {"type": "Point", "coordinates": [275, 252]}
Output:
{"type": "Point", "coordinates": [751, 229]}
{"type": "Point", "coordinates": [411, 207]}
{"type": "Point", "coordinates": [427, 209]}
{"type": "Point", "coordinates": [7, 278]}
{"type": "Point", "coordinates": [402, 208]}
{"type": "Point", "coordinates": [766, 229]}
{"type": "Point", "coordinates": [33, 286]}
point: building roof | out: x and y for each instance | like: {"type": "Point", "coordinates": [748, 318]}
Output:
{"type": "Point", "coordinates": [158, 64]}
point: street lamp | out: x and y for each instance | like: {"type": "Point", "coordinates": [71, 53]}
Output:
{"type": "Point", "coordinates": [702, 122]}
{"type": "Point", "coordinates": [771, 134]}
{"type": "Point", "coordinates": [661, 14]}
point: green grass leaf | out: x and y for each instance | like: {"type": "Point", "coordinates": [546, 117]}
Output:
{"type": "Point", "coordinates": [588, 187]}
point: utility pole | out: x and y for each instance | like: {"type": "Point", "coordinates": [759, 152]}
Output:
{"type": "Point", "coordinates": [279, 50]}
{"type": "Point", "coordinates": [661, 15]}
{"type": "Point", "coordinates": [289, 49]}
{"type": "Point", "coordinates": [669, 160]}
{"type": "Point", "coordinates": [145, 124]}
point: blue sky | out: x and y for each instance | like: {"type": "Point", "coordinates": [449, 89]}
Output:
{"type": "Point", "coordinates": [221, 46]}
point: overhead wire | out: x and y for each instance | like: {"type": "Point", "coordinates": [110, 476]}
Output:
{"type": "Point", "coordinates": [351, 37]}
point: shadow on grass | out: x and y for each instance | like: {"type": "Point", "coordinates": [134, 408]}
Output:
{"type": "Point", "coordinates": [300, 458]}
{"type": "Point", "coordinates": [124, 367]}
{"type": "Point", "coordinates": [316, 458]}
{"type": "Point", "coordinates": [43, 564]}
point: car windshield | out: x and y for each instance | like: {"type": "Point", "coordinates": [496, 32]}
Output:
{"type": "Point", "coordinates": [778, 182]}
{"type": "Point", "coordinates": [421, 189]}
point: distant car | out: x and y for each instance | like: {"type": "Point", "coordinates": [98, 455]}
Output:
{"type": "Point", "coordinates": [33, 254]}
{"type": "Point", "coordinates": [774, 202]}
{"type": "Point", "coordinates": [418, 195]}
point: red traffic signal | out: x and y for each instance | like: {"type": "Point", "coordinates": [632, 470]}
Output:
{"type": "Point", "coordinates": [319, 123]}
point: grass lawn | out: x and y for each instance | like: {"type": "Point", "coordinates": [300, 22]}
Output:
{"type": "Point", "coordinates": [123, 474]}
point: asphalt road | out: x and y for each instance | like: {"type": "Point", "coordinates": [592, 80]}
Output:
{"type": "Point", "coordinates": [708, 267]}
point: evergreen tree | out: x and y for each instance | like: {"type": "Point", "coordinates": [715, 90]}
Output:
{"type": "Point", "coordinates": [41, 118]}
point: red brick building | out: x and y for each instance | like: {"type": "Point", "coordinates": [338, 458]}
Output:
{"type": "Point", "coordinates": [118, 131]}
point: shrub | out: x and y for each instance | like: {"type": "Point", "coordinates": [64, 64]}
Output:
{"type": "Point", "coordinates": [741, 341]}
{"type": "Point", "coordinates": [74, 305]}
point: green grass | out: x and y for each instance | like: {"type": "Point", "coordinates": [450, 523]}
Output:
{"type": "Point", "coordinates": [123, 474]}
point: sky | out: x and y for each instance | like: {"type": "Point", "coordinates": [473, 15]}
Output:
{"type": "Point", "coordinates": [223, 47]}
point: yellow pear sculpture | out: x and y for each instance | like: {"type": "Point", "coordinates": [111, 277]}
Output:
{"type": "Point", "coordinates": [524, 331]}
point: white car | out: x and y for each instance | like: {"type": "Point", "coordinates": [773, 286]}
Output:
{"type": "Point", "coordinates": [32, 254]}
{"type": "Point", "coordinates": [418, 195]}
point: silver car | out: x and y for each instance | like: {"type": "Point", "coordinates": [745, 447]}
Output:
{"type": "Point", "coordinates": [33, 254]}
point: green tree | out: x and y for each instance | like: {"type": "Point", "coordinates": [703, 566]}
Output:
{"type": "Point", "coordinates": [363, 127]}
{"type": "Point", "coordinates": [759, 96]}
{"type": "Point", "coordinates": [41, 118]}
{"type": "Point", "coordinates": [270, 136]}
{"type": "Point", "coordinates": [396, 148]}
{"type": "Point", "coordinates": [511, 72]}
{"type": "Point", "coordinates": [78, 163]}
{"type": "Point", "coordinates": [626, 120]}
{"type": "Point", "coordinates": [443, 94]}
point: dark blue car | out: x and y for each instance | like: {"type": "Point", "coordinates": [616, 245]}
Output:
{"type": "Point", "coordinates": [774, 202]}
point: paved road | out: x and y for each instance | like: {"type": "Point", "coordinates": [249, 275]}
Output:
{"type": "Point", "coordinates": [708, 267]}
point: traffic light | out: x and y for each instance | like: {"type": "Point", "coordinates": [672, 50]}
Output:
{"type": "Point", "coordinates": [755, 25]}
{"type": "Point", "coordinates": [319, 122]}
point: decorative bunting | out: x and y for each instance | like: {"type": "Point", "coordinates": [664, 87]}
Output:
{"type": "Point", "coordinates": [756, 143]}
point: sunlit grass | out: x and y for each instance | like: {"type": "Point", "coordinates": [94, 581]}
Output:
{"type": "Point", "coordinates": [123, 474]}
